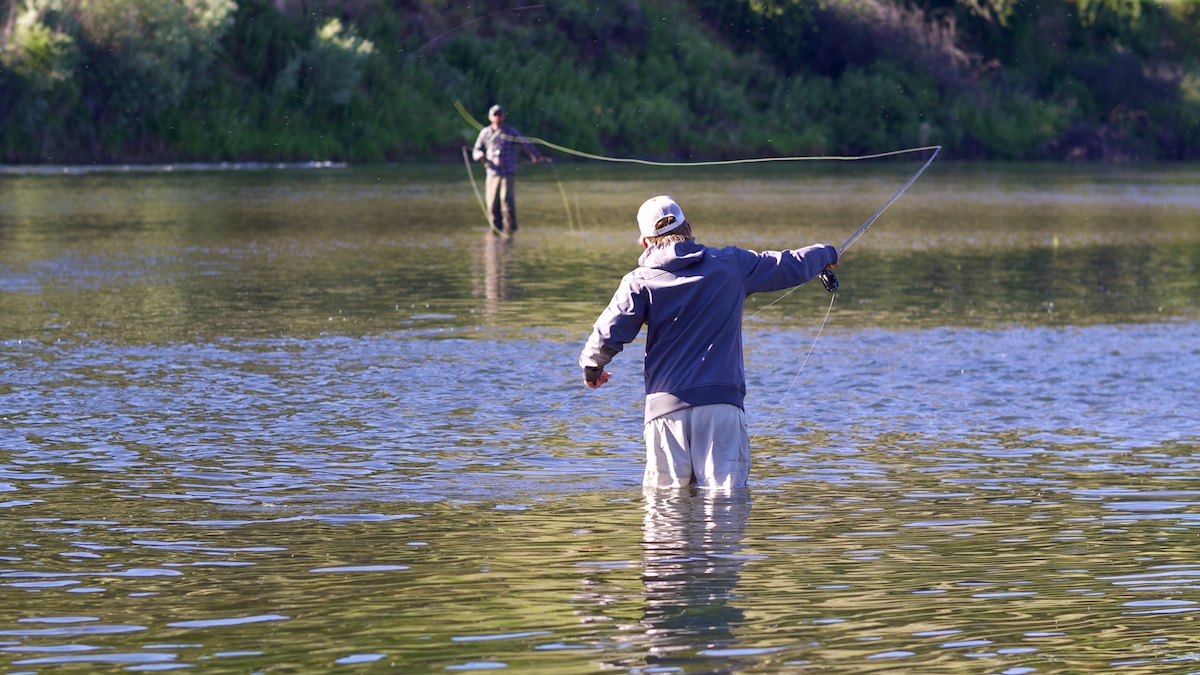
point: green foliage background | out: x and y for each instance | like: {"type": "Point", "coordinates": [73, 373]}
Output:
{"type": "Point", "coordinates": [376, 80]}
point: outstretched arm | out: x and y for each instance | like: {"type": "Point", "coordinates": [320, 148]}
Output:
{"type": "Point", "coordinates": [776, 270]}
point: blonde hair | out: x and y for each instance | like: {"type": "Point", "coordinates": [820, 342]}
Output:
{"type": "Point", "coordinates": [679, 234]}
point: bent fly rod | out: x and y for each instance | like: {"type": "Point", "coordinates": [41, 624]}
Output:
{"type": "Point", "coordinates": [827, 278]}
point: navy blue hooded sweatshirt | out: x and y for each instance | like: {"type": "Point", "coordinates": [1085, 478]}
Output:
{"type": "Point", "coordinates": [690, 298]}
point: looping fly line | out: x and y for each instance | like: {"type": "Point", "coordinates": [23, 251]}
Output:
{"type": "Point", "coordinates": [723, 162]}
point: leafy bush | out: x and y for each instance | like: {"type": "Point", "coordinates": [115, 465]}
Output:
{"type": "Point", "coordinates": [97, 80]}
{"type": "Point", "coordinates": [39, 64]}
{"type": "Point", "coordinates": [331, 67]}
{"type": "Point", "coordinates": [44, 58]}
{"type": "Point", "coordinates": [147, 55]}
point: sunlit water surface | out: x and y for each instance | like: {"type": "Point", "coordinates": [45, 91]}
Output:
{"type": "Point", "coordinates": [320, 420]}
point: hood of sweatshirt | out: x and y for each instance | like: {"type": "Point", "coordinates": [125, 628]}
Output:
{"type": "Point", "coordinates": [674, 257]}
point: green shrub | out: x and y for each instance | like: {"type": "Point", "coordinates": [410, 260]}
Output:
{"type": "Point", "coordinates": [147, 55]}
{"type": "Point", "coordinates": [330, 70]}
{"type": "Point", "coordinates": [41, 56]}
{"type": "Point", "coordinates": [1009, 126]}
{"type": "Point", "coordinates": [89, 80]}
{"type": "Point", "coordinates": [37, 70]}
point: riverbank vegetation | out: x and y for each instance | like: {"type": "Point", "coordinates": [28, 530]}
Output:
{"type": "Point", "coordinates": [85, 81]}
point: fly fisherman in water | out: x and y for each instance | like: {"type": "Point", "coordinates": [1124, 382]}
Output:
{"type": "Point", "coordinates": [690, 298]}
{"type": "Point", "coordinates": [496, 147]}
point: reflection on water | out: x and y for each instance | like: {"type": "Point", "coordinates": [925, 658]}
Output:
{"type": "Point", "coordinates": [690, 570]}
{"type": "Point", "coordinates": [323, 420]}
{"type": "Point", "coordinates": [491, 270]}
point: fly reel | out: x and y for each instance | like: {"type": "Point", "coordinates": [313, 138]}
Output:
{"type": "Point", "coordinates": [830, 282]}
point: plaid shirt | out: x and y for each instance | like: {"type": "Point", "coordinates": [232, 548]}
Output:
{"type": "Point", "coordinates": [500, 150]}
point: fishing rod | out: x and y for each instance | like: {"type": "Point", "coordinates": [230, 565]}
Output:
{"type": "Point", "coordinates": [827, 278]}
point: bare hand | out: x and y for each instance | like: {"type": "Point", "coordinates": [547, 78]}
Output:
{"type": "Point", "coordinates": [595, 384]}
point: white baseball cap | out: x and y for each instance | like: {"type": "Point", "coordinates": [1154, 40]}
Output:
{"type": "Point", "coordinates": [653, 211]}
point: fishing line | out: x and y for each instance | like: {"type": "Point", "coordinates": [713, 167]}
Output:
{"type": "Point", "coordinates": [577, 392]}
{"type": "Point", "coordinates": [479, 18]}
{"type": "Point", "coordinates": [562, 191]}
{"type": "Point", "coordinates": [811, 347]}
{"type": "Point", "coordinates": [723, 162]}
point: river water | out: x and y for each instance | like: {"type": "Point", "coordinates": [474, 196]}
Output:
{"type": "Point", "coordinates": [320, 420]}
